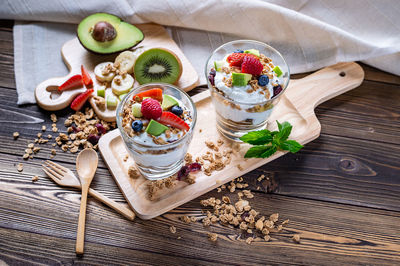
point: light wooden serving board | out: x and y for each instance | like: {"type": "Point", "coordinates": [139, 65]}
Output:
{"type": "Point", "coordinates": [296, 106]}
{"type": "Point", "coordinates": [74, 55]}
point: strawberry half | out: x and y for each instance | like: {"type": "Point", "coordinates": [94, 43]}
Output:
{"type": "Point", "coordinates": [87, 80]}
{"type": "Point", "coordinates": [235, 59]}
{"type": "Point", "coordinates": [152, 93]}
{"type": "Point", "coordinates": [251, 65]}
{"type": "Point", "coordinates": [72, 82]}
{"type": "Point", "coordinates": [170, 119]}
{"type": "Point", "coordinates": [80, 100]}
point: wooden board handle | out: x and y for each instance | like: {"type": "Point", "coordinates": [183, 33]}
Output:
{"type": "Point", "coordinates": [327, 83]}
{"type": "Point", "coordinates": [49, 99]}
{"type": "Point", "coordinates": [116, 206]}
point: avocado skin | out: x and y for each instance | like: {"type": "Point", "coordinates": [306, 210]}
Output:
{"type": "Point", "coordinates": [108, 53]}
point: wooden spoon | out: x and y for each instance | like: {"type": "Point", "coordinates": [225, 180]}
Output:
{"type": "Point", "coordinates": [86, 165]}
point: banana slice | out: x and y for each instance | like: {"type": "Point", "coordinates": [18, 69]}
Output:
{"type": "Point", "coordinates": [122, 84]}
{"type": "Point", "coordinates": [138, 51]}
{"type": "Point", "coordinates": [102, 73]}
{"type": "Point", "coordinates": [125, 61]}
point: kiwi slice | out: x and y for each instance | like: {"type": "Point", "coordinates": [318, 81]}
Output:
{"type": "Point", "coordinates": [157, 65]}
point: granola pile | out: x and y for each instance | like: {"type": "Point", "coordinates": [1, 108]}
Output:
{"type": "Point", "coordinates": [83, 131]}
{"type": "Point", "coordinates": [238, 214]}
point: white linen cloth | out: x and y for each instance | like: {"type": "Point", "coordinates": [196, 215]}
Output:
{"type": "Point", "coordinates": [309, 33]}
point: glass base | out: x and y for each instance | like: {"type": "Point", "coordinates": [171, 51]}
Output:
{"type": "Point", "coordinates": [233, 131]}
{"type": "Point", "coordinates": [157, 173]}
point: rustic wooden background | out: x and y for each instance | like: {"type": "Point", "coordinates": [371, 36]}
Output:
{"type": "Point", "coordinates": [341, 193]}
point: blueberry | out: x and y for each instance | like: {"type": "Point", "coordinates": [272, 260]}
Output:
{"type": "Point", "coordinates": [263, 80]}
{"type": "Point", "coordinates": [137, 125]}
{"type": "Point", "coordinates": [238, 51]}
{"type": "Point", "coordinates": [177, 110]}
{"type": "Point", "coordinates": [213, 72]}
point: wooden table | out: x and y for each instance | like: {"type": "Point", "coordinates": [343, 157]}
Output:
{"type": "Point", "coordinates": [341, 193]}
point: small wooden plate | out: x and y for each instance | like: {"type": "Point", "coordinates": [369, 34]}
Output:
{"type": "Point", "coordinates": [74, 55]}
{"type": "Point", "coordinates": [296, 106]}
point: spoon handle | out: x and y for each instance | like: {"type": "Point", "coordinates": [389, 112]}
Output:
{"type": "Point", "coordinates": [80, 237]}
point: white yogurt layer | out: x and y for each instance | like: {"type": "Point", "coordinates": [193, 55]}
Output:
{"type": "Point", "coordinates": [235, 115]}
{"type": "Point", "coordinates": [145, 159]}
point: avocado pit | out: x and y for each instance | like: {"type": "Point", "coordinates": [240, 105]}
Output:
{"type": "Point", "coordinates": [104, 32]}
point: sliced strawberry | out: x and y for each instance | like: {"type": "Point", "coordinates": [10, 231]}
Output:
{"type": "Point", "coordinates": [152, 93]}
{"type": "Point", "coordinates": [235, 59]}
{"type": "Point", "coordinates": [72, 82]}
{"type": "Point", "coordinates": [87, 80]}
{"type": "Point", "coordinates": [80, 100]}
{"type": "Point", "coordinates": [169, 119]}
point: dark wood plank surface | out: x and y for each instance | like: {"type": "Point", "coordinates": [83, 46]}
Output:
{"type": "Point", "coordinates": [341, 193]}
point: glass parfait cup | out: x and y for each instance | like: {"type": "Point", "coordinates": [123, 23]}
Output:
{"type": "Point", "coordinates": [158, 161]}
{"type": "Point", "coordinates": [236, 117]}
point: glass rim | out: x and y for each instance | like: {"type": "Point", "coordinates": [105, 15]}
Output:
{"type": "Point", "coordinates": [172, 144]}
{"type": "Point", "coordinates": [210, 86]}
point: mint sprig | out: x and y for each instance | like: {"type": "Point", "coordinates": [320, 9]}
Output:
{"type": "Point", "coordinates": [268, 142]}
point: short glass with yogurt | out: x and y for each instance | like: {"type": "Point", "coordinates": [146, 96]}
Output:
{"type": "Point", "coordinates": [240, 109]}
{"type": "Point", "coordinates": [157, 159]}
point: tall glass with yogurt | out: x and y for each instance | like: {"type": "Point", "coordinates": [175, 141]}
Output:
{"type": "Point", "coordinates": [240, 109]}
{"type": "Point", "coordinates": [157, 160]}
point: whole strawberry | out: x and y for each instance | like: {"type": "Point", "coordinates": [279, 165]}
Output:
{"type": "Point", "coordinates": [251, 65]}
{"type": "Point", "coordinates": [151, 109]}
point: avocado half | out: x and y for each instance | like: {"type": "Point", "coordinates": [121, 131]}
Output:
{"type": "Point", "coordinates": [118, 34]}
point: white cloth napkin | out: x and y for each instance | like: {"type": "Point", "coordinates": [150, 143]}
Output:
{"type": "Point", "coordinates": [310, 34]}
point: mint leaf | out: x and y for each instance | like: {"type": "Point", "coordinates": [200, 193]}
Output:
{"type": "Point", "coordinates": [260, 137]}
{"type": "Point", "coordinates": [284, 130]}
{"type": "Point", "coordinates": [279, 125]}
{"type": "Point", "coordinates": [261, 151]}
{"type": "Point", "coordinates": [267, 142]}
{"type": "Point", "coordinates": [272, 149]}
{"type": "Point", "coordinates": [257, 151]}
{"type": "Point", "coordinates": [291, 145]}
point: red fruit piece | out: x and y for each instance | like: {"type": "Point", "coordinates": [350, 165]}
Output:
{"type": "Point", "coordinates": [194, 167]}
{"type": "Point", "coordinates": [87, 80]}
{"type": "Point", "coordinates": [101, 129]}
{"type": "Point", "coordinates": [80, 100]}
{"type": "Point", "coordinates": [151, 109]}
{"type": "Point", "coordinates": [170, 119]}
{"type": "Point", "coordinates": [72, 82]}
{"type": "Point", "coordinates": [183, 172]}
{"type": "Point", "coordinates": [94, 139]}
{"type": "Point", "coordinates": [75, 129]}
{"type": "Point", "coordinates": [251, 65]}
{"type": "Point", "coordinates": [235, 59]}
{"type": "Point", "coordinates": [152, 93]}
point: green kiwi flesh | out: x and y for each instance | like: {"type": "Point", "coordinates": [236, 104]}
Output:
{"type": "Point", "coordinates": [157, 65]}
